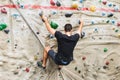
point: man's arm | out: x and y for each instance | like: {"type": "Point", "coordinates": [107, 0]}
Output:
{"type": "Point", "coordinates": [45, 20]}
{"type": "Point", "coordinates": [80, 28]}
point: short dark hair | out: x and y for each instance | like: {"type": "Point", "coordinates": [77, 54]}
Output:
{"type": "Point", "coordinates": [68, 27]}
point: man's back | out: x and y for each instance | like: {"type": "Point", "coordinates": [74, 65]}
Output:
{"type": "Point", "coordinates": [66, 44]}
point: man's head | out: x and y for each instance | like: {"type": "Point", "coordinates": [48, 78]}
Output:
{"type": "Point", "coordinates": [68, 27]}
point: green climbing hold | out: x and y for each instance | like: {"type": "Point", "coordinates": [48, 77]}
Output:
{"type": "Point", "coordinates": [116, 30]}
{"type": "Point", "coordinates": [2, 26]}
{"type": "Point", "coordinates": [105, 49]}
{"type": "Point", "coordinates": [53, 25]}
{"type": "Point", "coordinates": [107, 21]}
{"type": "Point", "coordinates": [100, 0]}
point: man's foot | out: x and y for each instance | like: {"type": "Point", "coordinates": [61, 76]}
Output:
{"type": "Point", "coordinates": [39, 64]}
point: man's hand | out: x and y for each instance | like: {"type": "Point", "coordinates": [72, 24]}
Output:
{"type": "Point", "coordinates": [44, 19]}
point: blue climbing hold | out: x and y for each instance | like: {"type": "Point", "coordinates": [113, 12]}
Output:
{"type": "Point", "coordinates": [81, 1]}
{"type": "Point", "coordinates": [92, 22]}
{"type": "Point", "coordinates": [113, 21]}
{"type": "Point", "coordinates": [109, 4]}
{"type": "Point", "coordinates": [103, 14]}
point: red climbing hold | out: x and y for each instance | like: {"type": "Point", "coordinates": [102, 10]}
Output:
{"type": "Point", "coordinates": [118, 24]}
{"type": "Point", "coordinates": [3, 10]}
{"type": "Point", "coordinates": [83, 58]}
{"type": "Point", "coordinates": [27, 69]}
{"type": "Point", "coordinates": [104, 2]}
{"type": "Point", "coordinates": [52, 2]}
{"type": "Point", "coordinates": [107, 63]}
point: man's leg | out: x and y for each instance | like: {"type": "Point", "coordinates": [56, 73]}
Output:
{"type": "Point", "coordinates": [45, 56]}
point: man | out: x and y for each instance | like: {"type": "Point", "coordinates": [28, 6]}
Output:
{"type": "Point", "coordinates": [66, 43]}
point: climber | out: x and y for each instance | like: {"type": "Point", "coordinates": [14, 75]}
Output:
{"type": "Point", "coordinates": [66, 43]}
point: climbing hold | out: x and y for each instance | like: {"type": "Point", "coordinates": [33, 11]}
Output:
{"type": "Point", "coordinates": [22, 6]}
{"type": "Point", "coordinates": [37, 33]}
{"type": "Point", "coordinates": [51, 36]}
{"type": "Point", "coordinates": [119, 35]}
{"type": "Point", "coordinates": [54, 12]}
{"type": "Point", "coordinates": [92, 8]}
{"type": "Point", "coordinates": [6, 31]}
{"type": "Point", "coordinates": [15, 73]}
{"type": "Point", "coordinates": [100, 0]}
{"type": "Point", "coordinates": [107, 63]}
{"type": "Point", "coordinates": [79, 71]}
{"type": "Point", "coordinates": [76, 68]}
{"type": "Point", "coordinates": [107, 21]}
{"type": "Point", "coordinates": [68, 14]}
{"type": "Point", "coordinates": [40, 13]}
{"type": "Point", "coordinates": [4, 11]}
{"type": "Point", "coordinates": [103, 14]}
{"type": "Point", "coordinates": [82, 34]}
{"type": "Point", "coordinates": [105, 67]}
{"type": "Point", "coordinates": [113, 21]}
{"type": "Point", "coordinates": [75, 5]}
{"type": "Point", "coordinates": [52, 2]}
{"type": "Point", "coordinates": [8, 40]}
{"type": "Point", "coordinates": [79, 22]}
{"type": "Point", "coordinates": [116, 30]}
{"type": "Point", "coordinates": [54, 25]}
{"type": "Point", "coordinates": [95, 30]}
{"type": "Point", "coordinates": [81, 1]}
{"type": "Point", "coordinates": [118, 24]}
{"type": "Point", "coordinates": [58, 3]}
{"type": "Point", "coordinates": [92, 22]}
{"type": "Point", "coordinates": [3, 26]}
{"type": "Point", "coordinates": [27, 69]}
{"type": "Point", "coordinates": [116, 8]}
{"type": "Point", "coordinates": [105, 49]}
{"type": "Point", "coordinates": [104, 2]}
{"type": "Point", "coordinates": [83, 58]}
{"type": "Point", "coordinates": [109, 4]}
{"type": "Point", "coordinates": [35, 57]}
{"type": "Point", "coordinates": [110, 15]}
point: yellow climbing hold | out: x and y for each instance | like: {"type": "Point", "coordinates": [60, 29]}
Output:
{"type": "Point", "coordinates": [92, 8]}
{"type": "Point", "coordinates": [75, 5]}
{"type": "Point", "coordinates": [119, 35]}
{"type": "Point", "coordinates": [35, 57]}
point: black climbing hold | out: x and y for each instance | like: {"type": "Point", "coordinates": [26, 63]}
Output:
{"type": "Point", "coordinates": [6, 31]}
{"type": "Point", "coordinates": [110, 15]}
{"type": "Point", "coordinates": [79, 22]}
{"type": "Point", "coordinates": [79, 71]}
{"type": "Point", "coordinates": [37, 32]}
{"type": "Point", "coordinates": [82, 34]}
{"type": "Point", "coordinates": [75, 68]}
{"type": "Point", "coordinates": [105, 67]}
{"type": "Point", "coordinates": [68, 14]}
{"type": "Point", "coordinates": [15, 44]}
{"type": "Point", "coordinates": [15, 73]}
{"type": "Point", "coordinates": [112, 59]}
{"type": "Point", "coordinates": [58, 3]}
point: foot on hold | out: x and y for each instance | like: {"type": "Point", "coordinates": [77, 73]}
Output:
{"type": "Point", "coordinates": [82, 34]}
{"type": "Point", "coordinates": [39, 64]}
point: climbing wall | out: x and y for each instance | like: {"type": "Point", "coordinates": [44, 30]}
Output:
{"type": "Point", "coordinates": [23, 36]}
